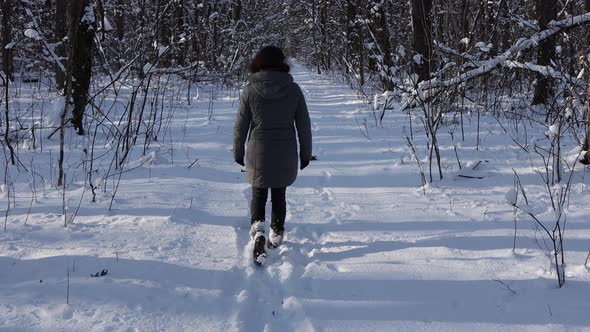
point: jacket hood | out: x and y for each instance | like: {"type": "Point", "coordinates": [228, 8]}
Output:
{"type": "Point", "coordinates": [270, 84]}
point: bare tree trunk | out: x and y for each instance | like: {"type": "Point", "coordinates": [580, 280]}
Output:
{"type": "Point", "coordinates": [180, 55]}
{"type": "Point", "coordinates": [585, 62]}
{"type": "Point", "coordinates": [494, 17]}
{"type": "Point", "coordinates": [8, 70]}
{"type": "Point", "coordinates": [6, 83]}
{"type": "Point", "coordinates": [461, 46]}
{"type": "Point", "coordinates": [83, 27]}
{"type": "Point", "coordinates": [324, 32]}
{"type": "Point", "coordinates": [215, 41]}
{"type": "Point", "coordinates": [7, 64]}
{"type": "Point", "coordinates": [196, 36]}
{"type": "Point", "coordinates": [361, 47]}
{"type": "Point", "coordinates": [314, 36]}
{"type": "Point", "coordinates": [120, 19]}
{"type": "Point", "coordinates": [60, 32]}
{"type": "Point", "coordinates": [164, 32]}
{"type": "Point", "coordinates": [349, 19]}
{"type": "Point", "coordinates": [100, 14]}
{"type": "Point", "coordinates": [382, 39]}
{"type": "Point", "coordinates": [504, 25]}
{"type": "Point", "coordinates": [422, 25]}
{"type": "Point", "coordinates": [546, 12]}
{"type": "Point", "coordinates": [586, 65]}
{"type": "Point", "coordinates": [360, 43]}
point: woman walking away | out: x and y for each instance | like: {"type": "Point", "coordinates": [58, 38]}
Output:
{"type": "Point", "coordinates": [271, 107]}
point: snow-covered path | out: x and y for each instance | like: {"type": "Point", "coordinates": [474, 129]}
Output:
{"type": "Point", "coordinates": [365, 248]}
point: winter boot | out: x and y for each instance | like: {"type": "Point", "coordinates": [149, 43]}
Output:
{"type": "Point", "coordinates": [257, 234]}
{"type": "Point", "coordinates": [275, 238]}
{"type": "Point", "coordinates": [256, 227]}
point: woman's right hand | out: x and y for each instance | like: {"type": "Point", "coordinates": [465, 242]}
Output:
{"type": "Point", "coordinates": [304, 164]}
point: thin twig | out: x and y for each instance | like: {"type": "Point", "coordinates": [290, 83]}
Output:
{"type": "Point", "coordinates": [505, 285]}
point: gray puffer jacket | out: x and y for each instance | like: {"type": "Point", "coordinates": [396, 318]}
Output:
{"type": "Point", "coordinates": [271, 107]}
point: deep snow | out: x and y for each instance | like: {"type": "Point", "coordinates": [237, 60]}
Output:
{"type": "Point", "coordinates": [365, 248]}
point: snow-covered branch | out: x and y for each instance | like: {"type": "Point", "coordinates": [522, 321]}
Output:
{"type": "Point", "coordinates": [521, 45]}
{"type": "Point", "coordinates": [546, 71]}
{"type": "Point", "coordinates": [435, 86]}
{"type": "Point", "coordinates": [451, 51]}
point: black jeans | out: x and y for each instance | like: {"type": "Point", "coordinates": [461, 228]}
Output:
{"type": "Point", "coordinates": [279, 207]}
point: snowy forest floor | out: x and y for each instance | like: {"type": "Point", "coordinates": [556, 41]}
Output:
{"type": "Point", "coordinates": [365, 248]}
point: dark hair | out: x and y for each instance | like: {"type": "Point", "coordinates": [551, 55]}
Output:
{"type": "Point", "coordinates": [269, 58]}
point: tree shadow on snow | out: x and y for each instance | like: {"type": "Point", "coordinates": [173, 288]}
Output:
{"type": "Point", "coordinates": [537, 301]}
{"type": "Point", "coordinates": [150, 285]}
